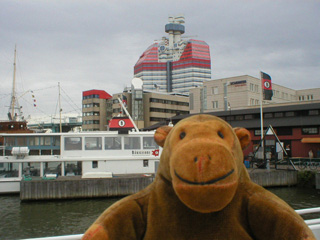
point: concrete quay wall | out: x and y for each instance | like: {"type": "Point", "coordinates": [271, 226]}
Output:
{"type": "Point", "coordinates": [274, 178]}
{"type": "Point", "coordinates": [64, 188]}
{"type": "Point", "coordinates": [82, 188]}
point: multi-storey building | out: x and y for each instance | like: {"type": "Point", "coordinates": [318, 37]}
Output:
{"type": "Point", "coordinates": [242, 92]}
{"type": "Point", "coordinates": [174, 64]}
{"type": "Point", "coordinates": [95, 110]}
{"type": "Point", "coordinates": [297, 126]}
{"type": "Point", "coordinates": [150, 107]}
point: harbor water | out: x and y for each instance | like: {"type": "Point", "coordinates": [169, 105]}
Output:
{"type": "Point", "coordinates": [19, 220]}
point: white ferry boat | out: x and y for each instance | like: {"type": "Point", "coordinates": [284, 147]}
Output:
{"type": "Point", "coordinates": [86, 154]}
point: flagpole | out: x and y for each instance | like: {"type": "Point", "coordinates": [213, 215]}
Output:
{"type": "Point", "coordinates": [261, 110]}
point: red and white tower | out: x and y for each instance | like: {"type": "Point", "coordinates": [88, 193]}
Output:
{"type": "Point", "coordinates": [174, 64]}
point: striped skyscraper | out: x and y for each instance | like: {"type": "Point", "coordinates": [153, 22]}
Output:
{"type": "Point", "coordinates": [174, 64]}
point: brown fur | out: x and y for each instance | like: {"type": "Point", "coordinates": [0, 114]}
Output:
{"type": "Point", "coordinates": [202, 191]}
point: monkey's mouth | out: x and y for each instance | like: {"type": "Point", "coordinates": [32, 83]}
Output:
{"type": "Point", "coordinates": [212, 181]}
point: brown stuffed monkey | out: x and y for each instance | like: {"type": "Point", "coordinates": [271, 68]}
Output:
{"type": "Point", "coordinates": [201, 191]}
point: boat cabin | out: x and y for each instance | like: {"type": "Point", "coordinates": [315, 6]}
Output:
{"type": "Point", "coordinates": [72, 154]}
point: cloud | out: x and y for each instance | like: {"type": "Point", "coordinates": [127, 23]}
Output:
{"type": "Point", "coordinates": [94, 44]}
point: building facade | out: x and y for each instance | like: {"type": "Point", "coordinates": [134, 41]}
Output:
{"type": "Point", "coordinates": [152, 107]}
{"type": "Point", "coordinates": [174, 64]}
{"type": "Point", "coordinates": [96, 110]}
{"type": "Point", "coordinates": [242, 92]}
{"type": "Point", "coordinates": [297, 126]}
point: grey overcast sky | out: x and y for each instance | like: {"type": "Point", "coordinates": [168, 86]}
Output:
{"type": "Point", "coordinates": [90, 44]}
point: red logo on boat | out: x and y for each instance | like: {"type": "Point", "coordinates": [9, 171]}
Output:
{"type": "Point", "coordinates": [155, 152]}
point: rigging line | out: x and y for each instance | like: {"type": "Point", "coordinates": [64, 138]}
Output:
{"type": "Point", "coordinates": [5, 96]}
{"type": "Point", "coordinates": [69, 112]}
{"type": "Point", "coordinates": [37, 108]}
{"type": "Point", "coordinates": [76, 109]}
{"type": "Point", "coordinates": [55, 111]}
{"type": "Point", "coordinates": [20, 72]}
{"type": "Point", "coordinates": [70, 98]}
{"type": "Point", "coordinates": [39, 89]}
{"type": "Point", "coordinates": [8, 58]}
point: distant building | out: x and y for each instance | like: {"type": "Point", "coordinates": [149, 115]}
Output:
{"type": "Point", "coordinates": [174, 64]}
{"type": "Point", "coordinates": [150, 107]}
{"type": "Point", "coordinates": [242, 92]}
{"type": "Point", "coordinates": [95, 110]}
{"type": "Point", "coordinates": [297, 126]}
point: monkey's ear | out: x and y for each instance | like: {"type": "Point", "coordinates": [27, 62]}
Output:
{"type": "Point", "coordinates": [243, 136]}
{"type": "Point", "coordinates": [161, 135]}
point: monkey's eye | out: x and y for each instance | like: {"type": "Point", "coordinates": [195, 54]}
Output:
{"type": "Point", "coordinates": [182, 135]}
{"type": "Point", "coordinates": [220, 134]}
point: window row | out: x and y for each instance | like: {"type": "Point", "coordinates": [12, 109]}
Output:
{"type": "Point", "coordinates": [168, 110]}
{"type": "Point", "coordinates": [109, 143]}
{"type": "Point", "coordinates": [306, 98]}
{"type": "Point", "coordinates": [286, 131]}
{"type": "Point", "coordinates": [154, 73]}
{"type": "Point", "coordinates": [89, 105]}
{"type": "Point", "coordinates": [272, 115]}
{"type": "Point", "coordinates": [91, 114]}
{"type": "Point", "coordinates": [254, 102]}
{"type": "Point", "coordinates": [190, 76]}
{"type": "Point", "coordinates": [188, 62]}
{"type": "Point", "coordinates": [157, 119]}
{"type": "Point", "coordinates": [254, 87]}
{"type": "Point", "coordinates": [156, 100]}
{"type": "Point", "coordinates": [188, 70]}
{"type": "Point", "coordinates": [32, 141]}
{"type": "Point", "coordinates": [90, 122]}
{"type": "Point", "coordinates": [91, 96]}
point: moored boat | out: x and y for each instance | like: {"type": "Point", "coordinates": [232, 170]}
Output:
{"type": "Point", "coordinates": [45, 155]}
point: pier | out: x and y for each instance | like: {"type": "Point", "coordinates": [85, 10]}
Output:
{"type": "Point", "coordinates": [274, 178]}
{"type": "Point", "coordinates": [76, 187]}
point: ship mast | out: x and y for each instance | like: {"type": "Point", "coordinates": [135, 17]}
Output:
{"type": "Point", "coordinates": [14, 100]}
{"type": "Point", "coordinates": [13, 95]}
{"type": "Point", "coordinates": [60, 109]}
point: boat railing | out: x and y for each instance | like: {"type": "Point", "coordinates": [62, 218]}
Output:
{"type": "Point", "coordinates": [66, 237]}
{"type": "Point", "coordinates": [314, 224]}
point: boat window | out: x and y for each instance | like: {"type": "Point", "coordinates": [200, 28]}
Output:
{"type": "Point", "coordinates": [145, 163]}
{"type": "Point", "coordinates": [52, 168]}
{"type": "Point", "coordinates": [31, 169]}
{"type": "Point", "coordinates": [73, 143]}
{"type": "Point", "coordinates": [31, 141]}
{"type": "Point", "coordinates": [72, 168]}
{"type": "Point", "coordinates": [131, 142]}
{"type": "Point", "coordinates": [34, 152]}
{"type": "Point", "coordinates": [45, 141]}
{"type": "Point", "coordinates": [56, 141]}
{"type": "Point", "coordinates": [10, 141]}
{"type": "Point", "coordinates": [93, 143]}
{"type": "Point", "coordinates": [149, 143]}
{"type": "Point", "coordinates": [45, 152]}
{"type": "Point", "coordinates": [9, 170]}
{"type": "Point", "coordinates": [94, 164]}
{"type": "Point", "coordinates": [21, 141]}
{"type": "Point", "coordinates": [112, 143]}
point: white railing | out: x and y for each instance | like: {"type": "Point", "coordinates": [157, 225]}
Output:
{"type": "Point", "coordinates": [314, 224]}
{"type": "Point", "coordinates": [66, 237]}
